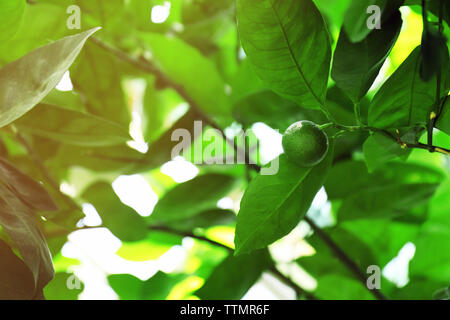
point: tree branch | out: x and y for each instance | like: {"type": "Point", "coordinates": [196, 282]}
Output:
{"type": "Point", "coordinates": [344, 258]}
{"type": "Point", "coordinates": [299, 291]}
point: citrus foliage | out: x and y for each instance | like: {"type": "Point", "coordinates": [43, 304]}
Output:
{"type": "Point", "coordinates": [385, 173]}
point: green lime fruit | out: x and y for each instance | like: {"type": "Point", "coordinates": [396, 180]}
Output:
{"type": "Point", "coordinates": [305, 144]}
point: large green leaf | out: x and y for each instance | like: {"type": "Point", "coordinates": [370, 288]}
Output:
{"type": "Point", "coordinates": [289, 47]}
{"type": "Point", "coordinates": [17, 217]}
{"type": "Point", "coordinates": [16, 280]}
{"type": "Point", "coordinates": [232, 278]}
{"type": "Point", "coordinates": [121, 220]}
{"type": "Point", "coordinates": [157, 287]}
{"type": "Point", "coordinates": [385, 202]}
{"type": "Point", "coordinates": [405, 99]}
{"type": "Point", "coordinates": [25, 82]}
{"type": "Point", "coordinates": [355, 21]}
{"type": "Point", "coordinates": [443, 122]}
{"type": "Point", "coordinates": [57, 289]}
{"type": "Point", "coordinates": [192, 197]}
{"type": "Point", "coordinates": [432, 258]}
{"type": "Point", "coordinates": [72, 127]}
{"type": "Point", "coordinates": [379, 149]}
{"type": "Point", "coordinates": [356, 65]}
{"type": "Point", "coordinates": [392, 173]}
{"type": "Point", "coordinates": [11, 13]}
{"type": "Point", "coordinates": [341, 107]}
{"type": "Point", "coordinates": [273, 205]}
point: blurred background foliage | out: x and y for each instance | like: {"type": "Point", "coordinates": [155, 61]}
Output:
{"type": "Point", "coordinates": [133, 223]}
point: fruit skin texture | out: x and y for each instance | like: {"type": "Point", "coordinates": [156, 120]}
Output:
{"type": "Point", "coordinates": [305, 144]}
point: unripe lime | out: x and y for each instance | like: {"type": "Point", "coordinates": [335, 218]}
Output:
{"type": "Point", "coordinates": [305, 143]}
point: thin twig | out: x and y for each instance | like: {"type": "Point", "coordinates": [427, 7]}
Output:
{"type": "Point", "coordinates": [344, 258]}
{"type": "Point", "coordinates": [191, 235]}
{"type": "Point", "coordinates": [299, 291]}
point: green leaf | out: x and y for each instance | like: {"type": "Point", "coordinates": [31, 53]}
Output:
{"type": "Point", "coordinates": [432, 6]}
{"type": "Point", "coordinates": [355, 21]}
{"type": "Point", "coordinates": [121, 220]}
{"type": "Point", "coordinates": [384, 237]}
{"type": "Point", "coordinates": [34, 32]}
{"type": "Point", "coordinates": [333, 185]}
{"type": "Point", "coordinates": [102, 159]}
{"type": "Point", "coordinates": [160, 109]}
{"type": "Point", "coordinates": [232, 278]}
{"type": "Point", "coordinates": [432, 257]}
{"type": "Point", "coordinates": [157, 287]}
{"type": "Point", "coordinates": [31, 192]}
{"type": "Point", "coordinates": [341, 107]}
{"type": "Point", "coordinates": [16, 280]}
{"type": "Point", "coordinates": [245, 82]}
{"type": "Point", "coordinates": [289, 47]}
{"type": "Point", "coordinates": [334, 11]}
{"type": "Point", "coordinates": [72, 127]}
{"type": "Point", "coordinates": [192, 197]}
{"type": "Point", "coordinates": [385, 202]}
{"type": "Point", "coordinates": [151, 248]}
{"type": "Point", "coordinates": [330, 272]}
{"type": "Point", "coordinates": [392, 173]}
{"type": "Point", "coordinates": [421, 288]}
{"type": "Point", "coordinates": [123, 158]}
{"type": "Point", "coordinates": [273, 110]}
{"type": "Point", "coordinates": [443, 122]}
{"type": "Point", "coordinates": [325, 262]}
{"type": "Point", "coordinates": [11, 13]}
{"type": "Point", "coordinates": [57, 289]}
{"type": "Point", "coordinates": [379, 149]}
{"type": "Point", "coordinates": [434, 53]}
{"type": "Point", "coordinates": [25, 82]}
{"type": "Point", "coordinates": [273, 205]}
{"type": "Point", "coordinates": [18, 219]}
{"type": "Point", "coordinates": [197, 75]}
{"type": "Point", "coordinates": [356, 65]}
{"type": "Point", "coordinates": [405, 99]}
{"type": "Point", "coordinates": [366, 242]}
{"type": "Point", "coordinates": [336, 287]}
